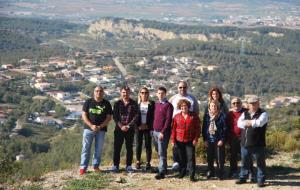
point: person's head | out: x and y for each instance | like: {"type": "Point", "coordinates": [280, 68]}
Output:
{"type": "Point", "coordinates": [214, 106]}
{"type": "Point", "coordinates": [98, 93]}
{"type": "Point", "coordinates": [236, 104]}
{"type": "Point", "coordinates": [143, 94]}
{"type": "Point", "coordinates": [184, 105]}
{"type": "Point", "coordinates": [182, 88]}
{"type": "Point", "coordinates": [125, 92]}
{"type": "Point", "coordinates": [253, 104]}
{"type": "Point", "coordinates": [215, 94]}
{"type": "Point", "coordinates": [161, 93]}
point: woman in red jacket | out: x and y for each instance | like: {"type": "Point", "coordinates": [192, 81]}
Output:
{"type": "Point", "coordinates": [185, 133]}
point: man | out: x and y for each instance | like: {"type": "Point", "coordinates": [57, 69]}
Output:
{"type": "Point", "coordinates": [253, 140]}
{"type": "Point", "coordinates": [234, 138]}
{"type": "Point", "coordinates": [162, 129]}
{"type": "Point", "coordinates": [96, 115]}
{"type": "Point", "coordinates": [125, 114]}
{"type": "Point", "coordinates": [182, 94]}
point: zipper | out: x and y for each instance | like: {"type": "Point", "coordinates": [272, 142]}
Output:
{"type": "Point", "coordinates": [246, 136]}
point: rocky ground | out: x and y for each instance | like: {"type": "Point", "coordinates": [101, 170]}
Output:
{"type": "Point", "coordinates": [282, 174]}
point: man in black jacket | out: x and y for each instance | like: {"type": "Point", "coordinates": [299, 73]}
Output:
{"type": "Point", "coordinates": [253, 140]}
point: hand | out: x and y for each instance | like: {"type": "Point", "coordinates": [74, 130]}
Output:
{"type": "Point", "coordinates": [206, 144]}
{"type": "Point", "coordinates": [172, 143]}
{"type": "Point", "coordinates": [161, 136]}
{"type": "Point", "coordinates": [125, 128]}
{"type": "Point", "coordinates": [94, 128]}
{"type": "Point", "coordinates": [195, 142]}
{"type": "Point", "coordinates": [220, 143]}
{"type": "Point", "coordinates": [248, 123]}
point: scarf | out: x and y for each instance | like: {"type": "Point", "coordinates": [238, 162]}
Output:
{"type": "Point", "coordinates": [212, 123]}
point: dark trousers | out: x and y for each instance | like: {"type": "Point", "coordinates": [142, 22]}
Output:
{"type": "Point", "coordinates": [186, 157]}
{"type": "Point", "coordinates": [259, 154]}
{"type": "Point", "coordinates": [215, 152]}
{"type": "Point", "coordinates": [235, 150]}
{"type": "Point", "coordinates": [139, 134]}
{"type": "Point", "coordinates": [175, 154]}
{"type": "Point", "coordinates": [119, 137]}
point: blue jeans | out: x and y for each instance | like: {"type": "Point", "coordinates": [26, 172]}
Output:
{"type": "Point", "coordinates": [259, 154]}
{"type": "Point", "coordinates": [162, 146]}
{"type": "Point", "coordinates": [88, 136]}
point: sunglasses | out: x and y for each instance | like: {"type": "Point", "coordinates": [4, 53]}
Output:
{"type": "Point", "coordinates": [144, 92]}
{"type": "Point", "coordinates": [237, 103]}
{"type": "Point", "coordinates": [182, 87]}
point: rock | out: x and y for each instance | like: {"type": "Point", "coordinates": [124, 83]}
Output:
{"type": "Point", "coordinates": [120, 180]}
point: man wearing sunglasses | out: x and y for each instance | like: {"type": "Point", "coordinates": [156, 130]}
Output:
{"type": "Point", "coordinates": [182, 94]}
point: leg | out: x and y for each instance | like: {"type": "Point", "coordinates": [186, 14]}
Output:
{"type": "Point", "coordinates": [139, 144]}
{"type": "Point", "coordinates": [234, 150]}
{"type": "Point", "coordinates": [190, 153]}
{"type": "Point", "coordinates": [129, 138]}
{"type": "Point", "coordinates": [220, 160]}
{"type": "Point", "coordinates": [259, 153]}
{"type": "Point", "coordinates": [210, 159]}
{"type": "Point", "coordinates": [181, 148]}
{"type": "Point", "coordinates": [148, 146]}
{"type": "Point", "coordinates": [99, 141]}
{"type": "Point", "coordinates": [118, 142]}
{"type": "Point", "coordinates": [245, 163]}
{"type": "Point", "coordinates": [87, 140]}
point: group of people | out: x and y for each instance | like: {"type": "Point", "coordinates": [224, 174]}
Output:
{"type": "Point", "coordinates": [177, 119]}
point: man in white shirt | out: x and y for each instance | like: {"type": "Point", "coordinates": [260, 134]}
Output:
{"type": "Point", "coordinates": [253, 140]}
{"type": "Point", "coordinates": [182, 94]}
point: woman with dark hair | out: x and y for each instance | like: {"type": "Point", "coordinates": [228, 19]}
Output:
{"type": "Point", "coordinates": [216, 94]}
{"type": "Point", "coordinates": [144, 126]}
{"type": "Point", "coordinates": [214, 133]}
{"type": "Point", "coordinates": [185, 133]}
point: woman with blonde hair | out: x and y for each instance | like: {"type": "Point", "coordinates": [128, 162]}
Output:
{"type": "Point", "coordinates": [214, 133]}
{"type": "Point", "coordinates": [144, 126]}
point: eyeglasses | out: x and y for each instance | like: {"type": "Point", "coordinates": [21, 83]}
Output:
{"type": "Point", "coordinates": [236, 103]}
{"type": "Point", "coordinates": [144, 92]}
{"type": "Point", "coordinates": [182, 87]}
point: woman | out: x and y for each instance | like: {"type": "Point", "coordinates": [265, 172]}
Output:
{"type": "Point", "coordinates": [144, 126]}
{"type": "Point", "coordinates": [216, 94]}
{"type": "Point", "coordinates": [185, 133]}
{"type": "Point", "coordinates": [214, 133]}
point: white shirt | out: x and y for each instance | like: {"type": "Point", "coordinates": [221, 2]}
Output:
{"type": "Point", "coordinates": [175, 99]}
{"type": "Point", "coordinates": [144, 111]}
{"type": "Point", "coordinates": [259, 122]}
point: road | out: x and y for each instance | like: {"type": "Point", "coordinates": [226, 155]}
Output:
{"type": "Point", "coordinates": [120, 66]}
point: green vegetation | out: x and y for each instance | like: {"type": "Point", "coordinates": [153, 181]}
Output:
{"type": "Point", "coordinates": [90, 182]}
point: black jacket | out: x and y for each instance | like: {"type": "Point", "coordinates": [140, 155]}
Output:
{"type": "Point", "coordinates": [150, 116]}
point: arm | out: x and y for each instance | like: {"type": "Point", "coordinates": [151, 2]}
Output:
{"type": "Point", "coordinates": [173, 134]}
{"type": "Point", "coordinates": [204, 128]}
{"type": "Point", "coordinates": [135, 115]}
{"type": "Point", "coordinates": [197, 129]}
{"type": "Point", "coordinates": [261, 121]}
{"type": "Point", "coordinates": [168, 118]}
{"type": "Point", "coordinates": [196, 106]}
{"type": "Point", "coordinates": [242, 122]}
{"type": "Point", "coordinates": [116, 115]}
{"type": "Point", "coordinates": [106, 121]}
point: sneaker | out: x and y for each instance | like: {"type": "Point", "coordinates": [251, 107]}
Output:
{"type": "Point", "coordinates": [148, 167]}
{"type": "Point", "coordinates": [97, 170]}
{"type": "Point", "coordinates": [138, 165]}
{"type": "Point", "coordinates": [129, 169]}
{"type": "Point", "coordinates": [192, 178]}
{"type": "Point", "coordinates": [240, 181]}
{"type": "Point", "coordinates": [114, 169]}
{"type": "Point", "coordinates": [175, 166]}
{"type": "Point", "coordinates": [82, 171]}
{"type": "Point", "coordinates": [210, 175]}
{"type": "Point", "coordinates": [181, 174]}
{"type": "Point", "coordinates": [160, 176]}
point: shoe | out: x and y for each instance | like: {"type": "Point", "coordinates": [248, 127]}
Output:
{"type": "Point", "coordinates": [252, 180]}
{"type": "Point", "coordinates": [96, 169]}
{"type": "Point", "coordinates": [129, 169]}
{"type": "Point", "coordinates": [240, 181]}
{"type": "Point", "coordinates": [148, 167]}
{"type": "Point", "coordinates": [82, 171]}
{"type": "Point", "coordinates": [260, 184]}
{"type": "Point", "coordinates": [209, 175]}
{"type": "Point", "coordinates": [175, 166]}
{"type": "Point", "coordinates": [114, 169]}
{"type": "Point", "coordinates": [160, 176]}
{"type": "Point", "coordinates": [192, 179]}
{"type": "Point", "coordinates": [181, 174]}
{"type": "Point", "coordinates": [138, 165]}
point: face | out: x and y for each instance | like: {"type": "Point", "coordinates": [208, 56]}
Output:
{"type": "Point", "coordinates": [144, 94]}
{"type": "Point", "coordinates": [213, 107]}
{"type": "Point", "coordinates": [182, 88]}
{"type": "Point", "coordinates": [98, 93]}
{"type": "Point", "coordinates": [184, 108]}
{"type": "Point", "coordinates": [236, 105]}
{"type": "Point", "coordinates": [160, 94]}
{"type": "Point", "coordinates": [253, 107]}
{"type": "Point", "coordinates": [215, 95]}
{"type": "Point", "coordinates": [125, 94]}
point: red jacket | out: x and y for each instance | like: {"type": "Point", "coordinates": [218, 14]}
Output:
{"type": "Point", "coordinates": [185, 130]}
{"type": "Point", "coordinates": [232, 118]}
